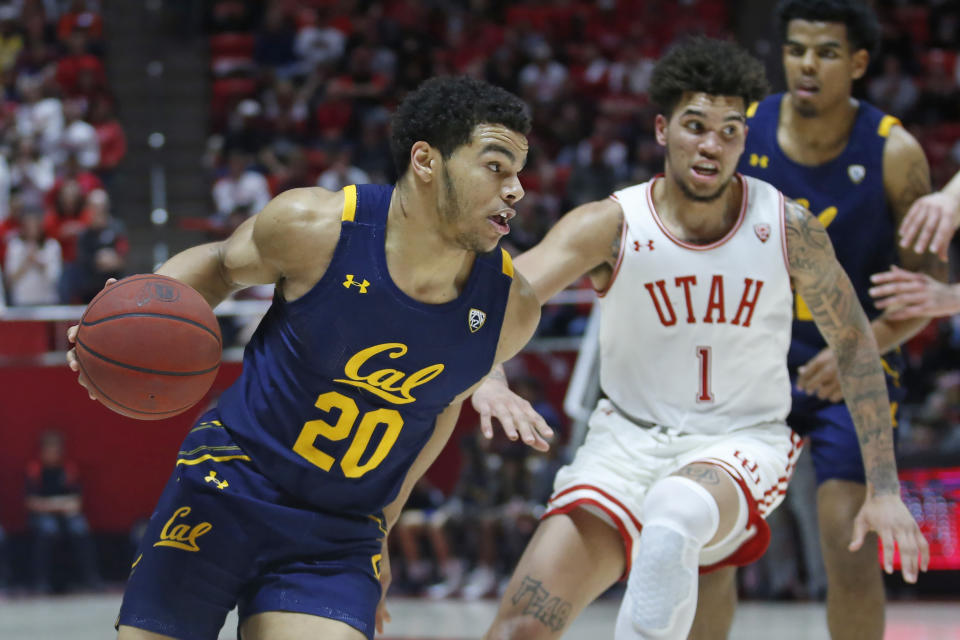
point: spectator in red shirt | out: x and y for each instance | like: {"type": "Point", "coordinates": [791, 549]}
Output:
{"type": "Point", "coordinates": [79, 61]}
{"type": "Point", "coordinates": [79, 16]}
{"type": "Point", "coordinates": [54, 506]}
{"type": "Point", "coordinates": [113, 141]}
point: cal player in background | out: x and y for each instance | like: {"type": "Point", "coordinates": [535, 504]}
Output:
{"type": "Point", "coordinates": [391, 303]}
{"type": "Point", "coordinates": [690, 450]}
{"type": "Point", "coordinates": [859, 171]}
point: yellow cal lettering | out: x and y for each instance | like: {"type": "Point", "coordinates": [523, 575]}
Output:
{"type": "Point", "coordinates": [181, 535]}
{"type": "Point", "coordinates": [802, 311]}
{"type": "Point", "coordinates": [383, 382]}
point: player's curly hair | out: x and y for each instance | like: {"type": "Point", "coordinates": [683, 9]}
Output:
{"type": "Point", "coordinates": [444, 110]}
{"type": "Point", "coordinates": [863, 29]}
{"type": "Point", "coordinates": [715, 67]}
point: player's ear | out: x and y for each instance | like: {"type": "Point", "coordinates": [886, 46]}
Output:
{"type": "Point", "coordinates": [861, 60]}
{"type": "Point", "coordinates": [422, 160]}
{"type": "Point", "coordinates": [660, 129]}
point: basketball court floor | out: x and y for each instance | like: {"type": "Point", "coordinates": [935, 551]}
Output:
{"type": "Point", "coordinates": [90, 618]}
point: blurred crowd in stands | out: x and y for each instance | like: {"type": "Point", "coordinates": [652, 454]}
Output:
{"type": "Point", "coordinates": [60, 142]}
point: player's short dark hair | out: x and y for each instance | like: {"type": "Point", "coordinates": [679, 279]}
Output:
{"type": "Point", "coordinates": [863, 29]}
{"type": "Point", "coordinates": [715, 67]}
{"type": "Point", "coordinates": [443, 112]}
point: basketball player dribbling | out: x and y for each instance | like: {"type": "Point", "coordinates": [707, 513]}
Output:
{"type": "Point", "coordinates": [690, 449]}
{"type": "Point", "coordinates": [391, 303]}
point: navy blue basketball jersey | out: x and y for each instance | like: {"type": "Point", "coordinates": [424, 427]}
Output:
{"type": "Point", "coordinates": [341, 388]}
{"type": "Point", "coordinates": [846, 194]}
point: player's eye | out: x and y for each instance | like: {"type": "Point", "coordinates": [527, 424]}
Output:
{"type": "Point", "coordinates": [694, 125]}
{"type": "Point", "coordinates": [828, 53]}
{"type": "Point", "coordinates": [795, 51]}
{"type": "Point", "coordinates": [494, 166]}
{"type": "Point", "coordinates": [730, 131]}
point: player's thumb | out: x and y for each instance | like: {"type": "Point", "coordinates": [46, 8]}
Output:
{"type": "Point", "coordinates": [860, 529]}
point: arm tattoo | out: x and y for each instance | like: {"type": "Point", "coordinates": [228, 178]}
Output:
{"type": "Point", "coordinates": [827, 290]}
{"type": "Point", "coordinates": [618, 239]}
{"type": "Point", "coordinates": [552, 611]}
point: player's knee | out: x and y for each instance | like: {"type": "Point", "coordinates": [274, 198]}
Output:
{"type": "Point", "coordinates": [684, 505]}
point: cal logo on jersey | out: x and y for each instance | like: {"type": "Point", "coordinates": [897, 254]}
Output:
{"type": "Point", "coordinates": [857, 173]}
{"type": "Point", "coordinates": [390, 384]}
{"type": "Point", "coordinates": [475, 319]}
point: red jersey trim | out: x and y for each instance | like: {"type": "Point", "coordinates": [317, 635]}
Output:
{"type": "Point", "coordinates": [617, 520]}
{"type": "Point", "coordinates": [699, 247]}
{"type": "Point", "coordinates": [623, 249]}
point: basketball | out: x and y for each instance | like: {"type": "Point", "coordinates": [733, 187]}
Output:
{"type": "Point", "coordinates": [149, 346]}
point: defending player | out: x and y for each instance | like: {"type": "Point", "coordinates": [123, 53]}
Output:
{"type": "Point", "coordinates": [859, 171]}
{"type": "Point", "coordinates": [691, 449]}
{"type": "Point", "coordinates": [391, 303]}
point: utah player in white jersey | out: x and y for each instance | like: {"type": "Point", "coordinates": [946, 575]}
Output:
{"type": "Point", "coordinates": [690, 449]}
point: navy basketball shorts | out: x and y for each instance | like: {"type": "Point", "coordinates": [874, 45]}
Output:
{"type": "Point", "coordinates": [834, 446]}
{"type": "Point", "coordinates": [224, 535]}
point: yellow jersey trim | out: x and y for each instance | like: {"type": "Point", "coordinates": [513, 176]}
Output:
{"type": "Point", "coordinates": [752, 109]}
{"type": "Point", "coordinates": [212, 458]}
{"type": "Point", "coordinates": [887, 123]}
{"type": "Point", "coordinates": [349, 203]}
{"type": "Point", "coordinates": [507, 263]}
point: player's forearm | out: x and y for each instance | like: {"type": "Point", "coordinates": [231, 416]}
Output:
{"type": "Point", "coordinates": [890, 334]}
{"type": "Point", "coordinates": [201, 267]}
{"type": "Point", "coordinates": [865, 392]}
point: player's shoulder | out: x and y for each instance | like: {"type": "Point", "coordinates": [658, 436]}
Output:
{"type": "Point", "coordinates": [299, 227]}
{"type": "Point", "coordinates": [900, 145]}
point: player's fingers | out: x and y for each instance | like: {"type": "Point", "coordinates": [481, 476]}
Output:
{"type": "Point", "coordinates": [859, 531]}
{"type": "Point", "coordinates": [888, 545]}
{"type": "Point", "coordinates": [507, 424]}
{"type": "Point", "coordinates": [941, 239]}
{"type": "Point", "coordinates": [525, 423]}
{"type": "Point", "coordinates": [109, 282]}
{"type": "Point", "coordinates": [908, 555]}
{"type": "Point", "coordinates": [486, 424]}
{"type": "Point", "coordinates": [911, 224]}
{"type": "Point", "coordinates": [924, 547]}
{"type": "Point", "coordinates": [835, 392]}
{"type": "Point", "coordinates": [926, 233]}
{"type": "Point", "coordinates": [72, 333]}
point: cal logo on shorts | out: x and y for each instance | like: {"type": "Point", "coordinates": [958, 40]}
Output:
{"type": "Point", "coordinates": [182, 535]}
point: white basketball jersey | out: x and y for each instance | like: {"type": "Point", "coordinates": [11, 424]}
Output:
{"type": "Point", "coordinates": [695, 337]}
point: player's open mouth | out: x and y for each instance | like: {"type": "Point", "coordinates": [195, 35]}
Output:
{"type": "Point", "coordinates": [706, 170]}
{"type": "Point", "coordinates": [807, 89]}
{"type": "Point", "coordinates": [502, 220]}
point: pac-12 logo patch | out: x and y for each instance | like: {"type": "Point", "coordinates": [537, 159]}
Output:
{"type": "Point", "coordinates": [762, 230]}
{"type": "Point", "coordinates": [857, 173]}
{"type": "Point", "coordinates": [475, 319]}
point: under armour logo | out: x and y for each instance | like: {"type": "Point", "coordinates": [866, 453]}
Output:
{"type": "Point", "coordinates": [637, 245]}
{"type": "Point", "coordinates": [220, 484]}
{"type": "Point", "coordinates": [350, 282]}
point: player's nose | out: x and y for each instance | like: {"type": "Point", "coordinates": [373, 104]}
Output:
{"type": "Point", "coordinates": [512, 190]}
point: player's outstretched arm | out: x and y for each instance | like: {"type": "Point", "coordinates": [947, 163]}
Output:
{"type": "Point", "coordinates": [932, 220]}
{"type": "Point", "coordinates": [824, 285]}
{"type": "Point", "coordinates": [904, 294]}
{"type": "Point", "coordinates": [585, 241]}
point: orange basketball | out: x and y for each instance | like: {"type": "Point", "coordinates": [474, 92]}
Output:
{"type": "Point", "coordinates": [149, 346]}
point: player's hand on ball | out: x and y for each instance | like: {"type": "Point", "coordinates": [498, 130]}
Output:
{"type": "Point", "coordinates": [821, 377]}
{"type": "Point", "coordinates": [494, 399]}
{"type": "Point", "coordinates": [72, 361]}
{"type": "Point", "coordinates": [889, 517]}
